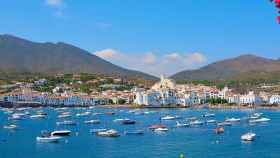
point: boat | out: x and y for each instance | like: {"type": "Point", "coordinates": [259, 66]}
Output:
{"type": "Point", "coordinates": [153, 127]}
{"type": "Point", "coordinates": [37, 116]}
{"type": "Point", "coordinates": [168, 117]}
{"type": "Point", "coordinates": [208, 115]}
{"type": "Point", "coordinates": [161, 129]}
{"type": "Point", "coordinates": [179, 125]}
{"type": "Point", "coordinates": [224, 124]}
{"type": "Point", "coordinates": [260, 120]}
{"type": "Point", "coordinates": [211, 121]}
{"type": "Point", "coordinates": [92, 122]}
{"type": "Point", "coordinates": [128, 122]}
{"type": "Point", "coordinates": [66, 123]}
{"type": "Point", "coordinates": [136, 132]}
{"type": "Point", "coordinates": [98, 130]}
{"type": "Point", "coordinates": [196, 122]}
{"type": "Point", "coordinates": [248, 136]}
{"type": "Point", "coordinates": [10, 126]}
{"type": "Point", "coordinates": [120, 119]}
{"type": "Point", "coordinates": [219, 130]}
{"type": "Point", "coordinates": [64, 116]}
{"type": "Point", "coordinates": [233, 120]}
{"type": "Point", "coordinates": [48, 139]}
{"type": "Point", "coordinates": [83, 114]}
{"type": "Point", "coordinates": [255, 116]}
{"type": "Point", "coordinates": [108, 133]}
{"type": "Point", "coordinates": [61, 133]}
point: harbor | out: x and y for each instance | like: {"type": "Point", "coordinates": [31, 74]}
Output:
{"type": "Point", "coordinates": [115, 132]}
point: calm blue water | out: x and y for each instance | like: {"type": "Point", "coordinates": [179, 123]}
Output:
{"type": "Point", "coordinates": [194, 142]}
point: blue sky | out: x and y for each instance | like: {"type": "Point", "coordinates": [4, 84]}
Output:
{"type": "Point", "coordinates": [154, 36]}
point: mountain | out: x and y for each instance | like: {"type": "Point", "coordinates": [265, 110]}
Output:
{"type": "Point", "coordinates": [20, 55]}
{"type": "Point", "coordinates": [235, 68]}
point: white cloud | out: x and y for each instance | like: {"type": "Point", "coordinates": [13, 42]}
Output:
{"type": "Point", "coordinates": [106, 53]}
{"type": "Point", "coordinates": [54, 3]}
{"type": "Point", "coordinates": [195, 58]}
{"type": "Point", "coordinates": [153, 63]}
{"type": "Point", "coordinates": [149, 58]}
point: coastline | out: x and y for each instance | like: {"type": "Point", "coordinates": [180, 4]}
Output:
{"type": "Point", "coordinates": [133, 106]}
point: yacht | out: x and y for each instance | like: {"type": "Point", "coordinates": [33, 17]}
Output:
{"type": "Point", "coordinates": [38, 116]}
{"type": "Point", "coordinates": [10, 126]}
{"type": "Point", "coordinates": [61, 133]}
{"type": "Point", "coordinates": [108, 133]}
{"type": "Point", "coordinates": [224, 124]}
{"type": "Point", "coordinates": [83, 114]}
{"type": "Point", "coordinates": [248, 136]}
{"type": "Point", "coordinates": [168, 117]}
{"type": "Point", "coordinates": [179, 125]}
{"type": "Point", "coordinates": [233, 120]}
{"type": "Point", "coordinates": [64, 116]}
{"type": "Point", "coordinates": [211, 121]}
{"type": "Point", "coordinates": [153, 127]}
{"type": "Point", "coordinates": [47, 138]}
{"type": "Point", "coordinates": [161, 129]}
{"type": "Point", "coordinates": [208, 115]}
{"type": "Point", "coordinates": [196, 122]}
{"type": "Point", "coordinates": [260, 120]}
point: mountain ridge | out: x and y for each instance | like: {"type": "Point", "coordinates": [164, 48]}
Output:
{"type": "Point", "coordinates": [21, 55]}
{"type": "Point", "coordinates": [228, 68]}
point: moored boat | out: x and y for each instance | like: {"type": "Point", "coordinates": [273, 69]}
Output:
{"type": "Point", "coordinates": [108, 133]}
{"type": "Point", "coordinates": [248, 136]}
{"type": "Point", "coordinates": [61, 133]}
{"type": "Point", "coordinates": [92, 122]}
{"type": "Point", "coordinates": [260, 120]}
{"type": "Point", "coordinates": [219, 130]}
{"type": "Point", "coordinates": [179, 125]}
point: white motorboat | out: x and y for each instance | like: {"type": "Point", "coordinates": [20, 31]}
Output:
{"type": "Point", "coordinates": [196, 122]}
{"type": "Point", "coordinates": [161, 129]}
{"type": "Point", "coordinates": [108, 133]}
{"type": "Point", "coordinates": [64, 116]}
{"type": "Point", "coordinates": [208, 115]}
{"type": "Point", "coordinates": [120, 119]}
{"type": "Point", "coordinates": [248, 136]}
{"type": "Point", "coordinates": [260, 120]}
{"type": "Point", "coordinates": [168, 117]}
{"type": "Point", "coordinates": [233, 119]}
{"type": "Point", "coordinates": [179, 125]}
{"type": "Point", "coordinates": [224, 124]}
{"type": "Point", "coordinates": [211, 121]}
{"type": "Point", "coordinates": [83, 114]}
{"type": "Point", "coordinates": [10, 126]}
{"type": "Point", "coordinates": [92, 122]}
{"type": "Point", "coordinates": [38, 116]}
{"type": "Point", "coordinates": [61, 133]}
{"type": "Point", "coordinates": [48, 139]}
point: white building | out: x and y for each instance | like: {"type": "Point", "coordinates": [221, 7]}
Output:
{"type": "Point", "coordinates": [274, 99]}
{"type": "Point", "coordinates": [249, 99]}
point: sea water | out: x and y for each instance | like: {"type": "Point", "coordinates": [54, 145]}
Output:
{"type": "Point", "coordinates": [193, 142]}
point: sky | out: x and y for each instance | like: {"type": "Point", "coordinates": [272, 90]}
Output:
{"type": "Point", "coordinates": [153, 36]}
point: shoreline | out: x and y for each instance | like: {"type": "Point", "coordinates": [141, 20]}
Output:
{"type": "Point", "coordinates": [133, 106]}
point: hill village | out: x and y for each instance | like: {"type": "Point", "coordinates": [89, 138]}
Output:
{"type": "Point", "coordinates": [165, 93]}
